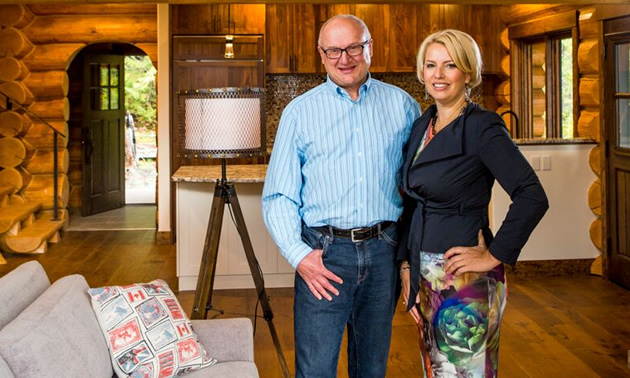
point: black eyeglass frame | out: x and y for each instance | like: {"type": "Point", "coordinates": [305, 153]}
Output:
{"type": "Point", "coordinates": [341, 51]}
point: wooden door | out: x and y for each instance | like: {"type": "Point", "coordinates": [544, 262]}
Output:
{"type": "Point", "coordinates": [103, 134]}
{"type": "Point", "coordinates": [617, 121]}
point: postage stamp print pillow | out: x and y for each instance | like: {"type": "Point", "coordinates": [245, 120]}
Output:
{"type": "Point", "coordinates": [147, 332]}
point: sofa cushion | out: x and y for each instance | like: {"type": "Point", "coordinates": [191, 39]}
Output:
{"type": "Point", "coordinates": [57, 335]}
{"type": "Point", "coordinates": [229, 339]}
{"type": "Point", "coordinates": [19, 288]}
{"type": "Point", "coordinates": [231, 369]}
{"type": "Point", "coordinates": [5, 372]}
{"type": "Point", "coordinates": [147, 332]}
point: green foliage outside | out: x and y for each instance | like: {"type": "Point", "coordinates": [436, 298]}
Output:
{"type": "Point", "coordinates": [140, 93]}
{"type": "Point", "coordinates": [566, 86]}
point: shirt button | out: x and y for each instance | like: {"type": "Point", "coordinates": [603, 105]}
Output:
{"type": "Point", "coordinates": [360, 154]}
{"type": "Point", "coordinates": [360, 178]}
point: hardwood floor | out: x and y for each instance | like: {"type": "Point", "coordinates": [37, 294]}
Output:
{"type": "Point", "coordinates": [570, 326]}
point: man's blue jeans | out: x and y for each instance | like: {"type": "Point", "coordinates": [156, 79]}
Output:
{"type": "Point", "coordinates": [365, 305]}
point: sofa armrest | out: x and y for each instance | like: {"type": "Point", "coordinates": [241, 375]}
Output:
{"type": "Point", "coordinates": [226, 339]}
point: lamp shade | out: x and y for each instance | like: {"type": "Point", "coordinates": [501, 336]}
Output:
{"type": "Point", "coordinates": [221, 122]}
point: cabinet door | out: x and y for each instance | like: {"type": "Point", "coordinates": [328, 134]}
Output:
{"type": "Point", "coordinates": [404, 37]}
{"type": "Point", "coordinates": [278, 38]}
{"type": "Point", "coordinates": [377, 19]}
{"type": "Point", "coordinates": [243, 18]}
{"type": "Point", "coordinates": [214, 19]}
{"type": "Point", "coordinates": [307, 20]}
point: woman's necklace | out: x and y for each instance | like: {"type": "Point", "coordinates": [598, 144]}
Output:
{"type": "Point", "coordinates": [450, 119]}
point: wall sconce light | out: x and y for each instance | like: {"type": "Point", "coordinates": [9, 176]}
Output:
{"type": "Point", "coordinates": [229, 39]}
{"type": "Point", "coordinates": [229, 47]}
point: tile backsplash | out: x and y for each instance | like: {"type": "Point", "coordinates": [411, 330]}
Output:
{"type": "Point", "coordinates": [281, 89]}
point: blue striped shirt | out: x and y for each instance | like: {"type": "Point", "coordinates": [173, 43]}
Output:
{"type": "Point", "coordinates": [336, 162]}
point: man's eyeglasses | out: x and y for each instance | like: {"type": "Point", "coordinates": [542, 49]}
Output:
{"type": "Point", "coordinates": [352, 50]}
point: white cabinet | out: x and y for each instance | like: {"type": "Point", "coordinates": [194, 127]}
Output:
{"type": "Point", "coordinates": [194, 200]}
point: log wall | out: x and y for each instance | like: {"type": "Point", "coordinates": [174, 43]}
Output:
{"type": "Point", "coordinates": [37, 45]}
{"type": "Point", "coordinates": [589, 125]}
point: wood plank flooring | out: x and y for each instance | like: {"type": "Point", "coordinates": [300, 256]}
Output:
{"type": "Point", "coordinates": [570, 326]}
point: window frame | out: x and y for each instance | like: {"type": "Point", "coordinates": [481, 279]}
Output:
{"type": "Point", "coordinates": [550, 30]}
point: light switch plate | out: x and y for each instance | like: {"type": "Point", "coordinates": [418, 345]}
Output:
{"type": "Point", "coordinates": [546, 163]}
{"type": "Point", "coordinates": [536, 162]}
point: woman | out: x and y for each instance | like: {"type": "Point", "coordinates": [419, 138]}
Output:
{"type": "Point", "coordinates": [455, 152]}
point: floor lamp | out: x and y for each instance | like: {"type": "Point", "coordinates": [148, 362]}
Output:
{"type": "Point", "coordinates": [220, 123]}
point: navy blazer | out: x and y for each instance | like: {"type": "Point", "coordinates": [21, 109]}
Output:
{"type": "Point", "coordinates": [447, 189]}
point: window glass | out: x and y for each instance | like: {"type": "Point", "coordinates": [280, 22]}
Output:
{"type": "Point", "coordinates": [623, 122]}
{"type": "Point", "coordinates": [104, 75]}
{"type": "Point", "coordinates": [104, 103]}
{"type": "Point", "coordinates": [623, 67]}
{"type": "Point", "coordinates": [566, 87]}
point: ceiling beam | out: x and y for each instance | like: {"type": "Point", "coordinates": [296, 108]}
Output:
{"type": "Point", "coordinates": [467, 2]}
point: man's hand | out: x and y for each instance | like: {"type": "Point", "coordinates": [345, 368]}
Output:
{"type": "Point", "coordinates": [462, 260]}
{"type": "Point", "coordinates": [316, 276]}
{"type": "Point", "coordinates": [406, 288]}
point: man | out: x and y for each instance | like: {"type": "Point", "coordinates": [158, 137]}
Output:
{"type": "Point", "coordinates": [330, 202]}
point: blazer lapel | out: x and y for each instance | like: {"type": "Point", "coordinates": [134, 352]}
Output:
{"type": "Point", "coordinates": [415, 137]}
{"type": "Point", "coordinates": [448, 142]}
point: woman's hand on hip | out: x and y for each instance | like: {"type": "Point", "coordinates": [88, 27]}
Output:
{"type": "Point", "coordinates": [462, 260]}
{"type": "Point", "coordinates": [406, 281]}
{"type": "Point", "coordinates": [316, 276]}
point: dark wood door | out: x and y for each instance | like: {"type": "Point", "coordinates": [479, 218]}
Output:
{"type": "Point", "coordinates": [103, 134]}
{"type": "Point", "coordinates": [617, 113]}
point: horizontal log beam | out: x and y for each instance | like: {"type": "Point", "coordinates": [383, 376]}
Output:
{"type": "Point", "coordinates": [48, 84]}
{"type": "Point", "coordinates": [93, 28]}
{"type": "Point", "coordinates": [100, 9]}
{"type": "Point", "coordinates": [12, 69]}
{"type": "Point", "coordinates": [15, 15]}
{"type": "Point", "coordinates": [52, 57]}
{"type": "Point", "coordinates": [496, 2]}
{"type": "Point", "coordinates": [41, 136]}
{"type": "Point", "coordinates": [14, 43]}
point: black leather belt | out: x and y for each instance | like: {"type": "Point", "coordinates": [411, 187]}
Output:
{"type": "Point", "coordinates": [355, 234]}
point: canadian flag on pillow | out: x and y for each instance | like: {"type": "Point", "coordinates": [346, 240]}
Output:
{"type": "Point", "coordinates": [147, 332]}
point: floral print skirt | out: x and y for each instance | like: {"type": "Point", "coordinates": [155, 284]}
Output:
{"type": "Point", "coordinates": [462, 318]}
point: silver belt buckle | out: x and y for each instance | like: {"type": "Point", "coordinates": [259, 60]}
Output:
{"type": "Point", "coordinates": [352, 235]}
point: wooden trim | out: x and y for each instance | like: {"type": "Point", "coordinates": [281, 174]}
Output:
{"type": "Point", "coordinates": [164, 237]}
{"type": "Point", "coordinates": [607, 11]}
{"type": "Point", "coordinates": [556, 23]}
{"type": "Point", "coordinates": [458, 2]}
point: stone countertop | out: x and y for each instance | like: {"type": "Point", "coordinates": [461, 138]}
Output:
{"type": "Point", "coordinates": [250, 173]}
{"type": "Point", "coordinates": [548, 141]}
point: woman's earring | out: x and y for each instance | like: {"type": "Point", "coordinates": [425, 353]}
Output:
{"type": "Point", "coordinates": [426, 94]}
{"type": "Point", "coordinates": [467, 93]}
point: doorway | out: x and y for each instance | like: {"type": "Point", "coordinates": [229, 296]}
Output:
{"type": "Point", "coordinates": [110, 116]}
{"type": "Point", "coordinates": [617, 134]}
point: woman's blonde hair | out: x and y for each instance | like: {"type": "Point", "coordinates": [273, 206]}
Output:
{"type": "Point", "coordinates": [461, 47]}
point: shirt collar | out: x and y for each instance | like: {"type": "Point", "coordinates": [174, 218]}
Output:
{"type": "Point", "coordinates": [363, 90]}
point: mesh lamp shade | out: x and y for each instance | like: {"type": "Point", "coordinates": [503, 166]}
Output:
{"type": "Point", "coordinates": [221, 122]}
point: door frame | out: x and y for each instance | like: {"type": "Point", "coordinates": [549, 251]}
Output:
{"type": "Point", "coordinates": [614, 32]}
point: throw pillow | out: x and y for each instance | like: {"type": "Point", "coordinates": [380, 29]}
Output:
{"type": "Point", "coordinates": [147, 332]}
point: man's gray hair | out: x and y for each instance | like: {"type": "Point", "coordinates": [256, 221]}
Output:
{"type": "Point", "coordinates": [366, 32]}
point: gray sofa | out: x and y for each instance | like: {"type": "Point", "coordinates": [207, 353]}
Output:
{"type": "Point", "coordinates": [51, 331]}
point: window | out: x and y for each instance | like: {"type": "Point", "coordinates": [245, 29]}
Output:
{"type": "Point", "coordinates": [543, 85]}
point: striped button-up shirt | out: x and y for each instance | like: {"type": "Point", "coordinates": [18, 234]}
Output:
{"type": "Point", "coordinates": [336, 162]}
